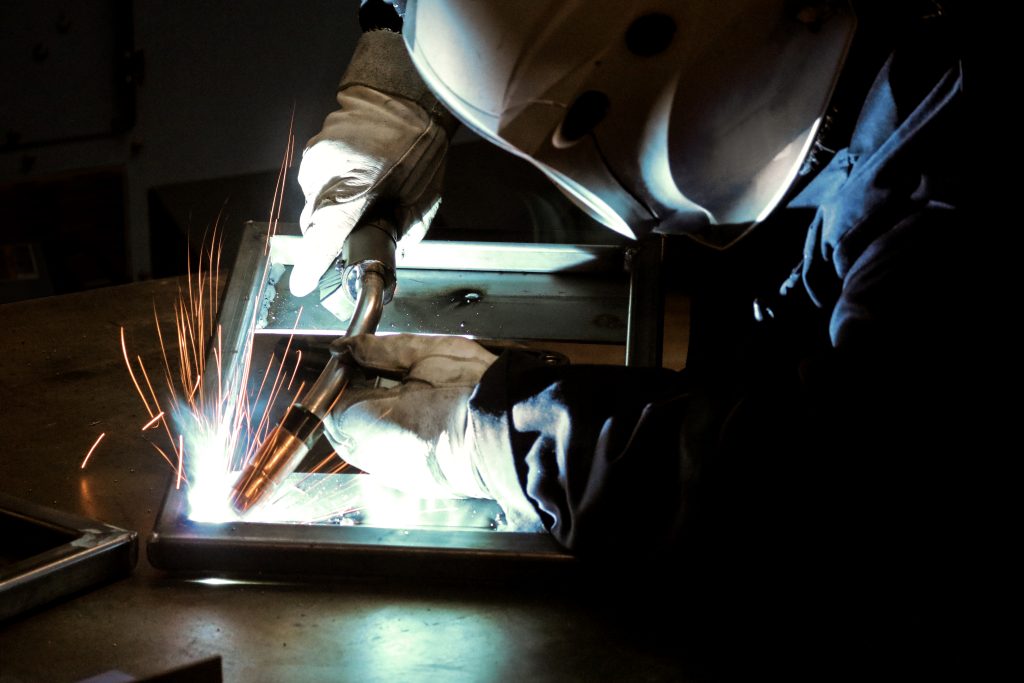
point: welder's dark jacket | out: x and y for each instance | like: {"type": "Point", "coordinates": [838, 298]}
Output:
{"type": "Point", "coordinates": [831, 427]}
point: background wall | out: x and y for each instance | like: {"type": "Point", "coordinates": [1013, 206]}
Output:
{"type": "Point", "coordinates": [118, 116]}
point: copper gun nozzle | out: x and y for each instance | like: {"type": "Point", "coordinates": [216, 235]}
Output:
{"type": "Point", "coordinates": [278, 457]}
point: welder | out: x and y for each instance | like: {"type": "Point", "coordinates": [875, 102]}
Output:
{"type": "Point", "coordinates": [805, 455]}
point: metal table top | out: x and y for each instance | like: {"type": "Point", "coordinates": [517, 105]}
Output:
{"type": "Point", "coordinates": [63, 382]}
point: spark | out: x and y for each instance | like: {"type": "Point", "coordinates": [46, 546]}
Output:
{"type": "Point", "coordinates": [156, 418]}
{"type": "Point", "coordinates": [217, 422]}
{"type": "Point", "coordinates": [338, 397]}
{"type": "Point", "coordinates": [94, 445]}
{"type": "Point", "coordinates": [298, 362]}
{"type": "Point", "coordinates": [124, 350]}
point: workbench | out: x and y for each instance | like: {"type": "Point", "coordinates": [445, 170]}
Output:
{"type": "Point", "coordinates": [63, 382]}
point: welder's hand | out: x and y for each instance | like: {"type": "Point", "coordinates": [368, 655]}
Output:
{"type": "Point", "coordinates": [375, 147]}
{"type": "Point", "coordinates": [418, 436]}
{"type": "Point", "coordinates": [386, 142]}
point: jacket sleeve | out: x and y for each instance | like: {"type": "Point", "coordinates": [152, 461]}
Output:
{"type": "Point", "coordinates": [606, 455]}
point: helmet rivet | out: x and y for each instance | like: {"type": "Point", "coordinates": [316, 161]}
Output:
{"type": "Point", "coordinates": [650, 34]}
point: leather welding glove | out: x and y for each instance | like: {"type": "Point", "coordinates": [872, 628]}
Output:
{"type": "Point", "coordinates": [386, 142]}
{"type": "Point", "coordinates": [422, 436]}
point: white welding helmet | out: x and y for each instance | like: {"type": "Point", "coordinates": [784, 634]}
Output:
{"type": "Point", "coordinates": [678, 116]}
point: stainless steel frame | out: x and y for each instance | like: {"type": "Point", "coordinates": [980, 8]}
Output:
{"type": "Point", "coordinates": [505, 291]}
{"type": "Point", "coordinates": [273, 550]}
{"type": "Point", "coordinates": [69, 554]}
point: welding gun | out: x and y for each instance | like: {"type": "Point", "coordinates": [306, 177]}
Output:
{"type": "Point", "coordinates": [368, 277]}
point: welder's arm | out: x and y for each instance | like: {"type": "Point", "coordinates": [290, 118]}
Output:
{"type": "Point", "coordinates": [608, 455]}
{"type": "Point", "coordinates": [385, 143]}
{"type": "Point", "coordinates": [585, 452]}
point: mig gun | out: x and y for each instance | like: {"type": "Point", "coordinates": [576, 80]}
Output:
{"type": "Point", "coordinates": [368, 277]}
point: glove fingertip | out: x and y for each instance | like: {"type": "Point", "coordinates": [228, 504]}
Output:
{"type": "Point", "coordinates": [303, 280]}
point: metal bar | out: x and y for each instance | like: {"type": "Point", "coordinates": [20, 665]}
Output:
{"type": "Point", "coordinates": [646, 330]}
{"type": "Point", "coordinates": [481, 305]}
{"type": "Point", "coordinates": [247, 548]}
{"type": "Point", "coordinates": [489, 256]}
{"type": "Point", "coordinates": [92, 552]}
{"type": "Point", "coordinates": [240, 305]}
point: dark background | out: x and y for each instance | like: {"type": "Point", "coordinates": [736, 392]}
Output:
{"type": "Point", "coordinates": [128, 126]}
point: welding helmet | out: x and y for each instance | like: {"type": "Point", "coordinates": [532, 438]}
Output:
{"type": "Point", "coordinates": [680, 117]}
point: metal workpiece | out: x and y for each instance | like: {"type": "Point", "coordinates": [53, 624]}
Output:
{"type": "Point", "coordinates": [486, 291]}
{"type": "Point", "coordinates": [506, 257]}
{"type": "Point", "coordinates": [509, 293]}
{"type": "Point", "coordinates": [435, 551]}
{"type": "Point", "coordinates": [483, 305]}
{"type": "Point", "coordinates": [646, 332]}
{"type": "Point", "coordinates": [49, 554]}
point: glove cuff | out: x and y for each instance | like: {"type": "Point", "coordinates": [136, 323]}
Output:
{"type": "Point", "coordinates": [490, 433]}
{"type": "Point", "coordinates": [381, 61]}
{"type": "Point", "coordinates": [495, 469]}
